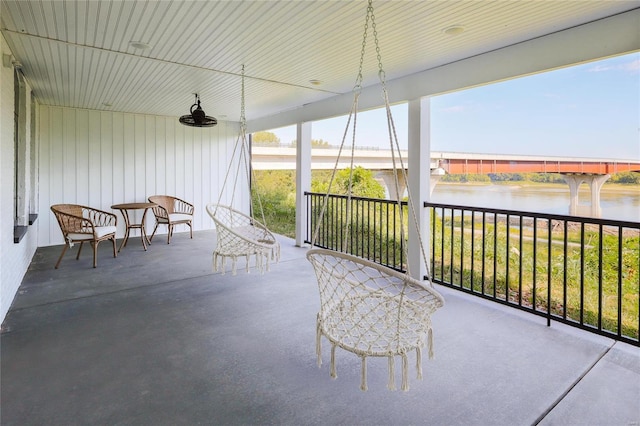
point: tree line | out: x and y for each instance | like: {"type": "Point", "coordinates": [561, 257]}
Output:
{"type": "Point", "coordinates": [271, 139]}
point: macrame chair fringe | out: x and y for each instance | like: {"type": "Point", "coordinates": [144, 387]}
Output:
{"type": "Point", "coordinates": [262, 262]}
{"type": "Point", "coordinates": [431, 353]}
{"type": "Point", "coordinates": [363, 376]}
{"type": "Point", "coordinates": [334, 372]}
{"type": "Point", "coordinates": [392, 374]}
{"type": "Point", "coordinates": [405, 372]}
{"type": "Point", "coordinates": [319, 342]}
{"type": "Point", "coordinates": [371, 310]}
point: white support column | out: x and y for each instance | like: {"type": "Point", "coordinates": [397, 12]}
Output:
{"type": "Point", "coordinates": [303, 178]}
{"type": "Point", "coordinates": [419, 182]}
{"type": "Point", "coordinates": [388, 177]}
{"type": "Point", "coordinates": [574, 181]}
{"type": "Point", "coordinates": [596, 182]}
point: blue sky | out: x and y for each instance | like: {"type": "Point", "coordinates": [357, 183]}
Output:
{"type": "Point", "coordinates": [590, 110]}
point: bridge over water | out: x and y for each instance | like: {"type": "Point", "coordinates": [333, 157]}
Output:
{"type": "Point", "coordinates": [575, 170]}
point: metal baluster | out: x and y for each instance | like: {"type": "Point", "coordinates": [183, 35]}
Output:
{"type": "Point", "coordinates": [564, 266]}
{"type": "Point", "coordinates": [507, 258]}
{"type": "Point", "coordinates": [582, 273]}
{"type": "Point", "coordinates": [520, 265]}
{"type": "Point", "coordinates": [600, 289]}
{"type": "Point", "coordinates": [495, 254]}
{"type": "Point", "coordinates": [484, 245]}
{"type": "Point", "coordinates": [535, 260]}
{"type": "Point", "coordinates": [549, 272]}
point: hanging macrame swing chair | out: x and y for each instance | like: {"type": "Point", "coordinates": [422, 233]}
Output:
{"type": "Point", "coordinates": [238, 234]}
{"type": "Point", "coordinates": [366, 308]}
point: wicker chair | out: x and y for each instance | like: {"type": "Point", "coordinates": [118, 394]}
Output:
{"type": "Point", "coordinates": [171, 211]}
{"type": "Point", "coordinates": [85, 224]}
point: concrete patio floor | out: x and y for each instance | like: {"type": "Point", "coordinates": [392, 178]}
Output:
{"type": "Point", "coordinates": [157, 338]}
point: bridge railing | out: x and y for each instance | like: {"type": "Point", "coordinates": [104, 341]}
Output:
{"type": "Point", "coordinates": [580, 271]}
{"type": "Point", "coordinates": [327, 146]}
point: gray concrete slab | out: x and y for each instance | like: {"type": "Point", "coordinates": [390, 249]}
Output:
{"type": "Point", "coordinates": [157, 338]}
{"type": "Point", "coordinates": [608, 395]}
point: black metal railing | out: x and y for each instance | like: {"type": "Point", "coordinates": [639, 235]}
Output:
{"type": "Point", "coordinates": [580, 271]}
{"type": "Point", "coordinates": [374, 227]}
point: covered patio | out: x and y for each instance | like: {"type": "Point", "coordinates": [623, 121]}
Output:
{"type": "Point", "coordinates": [90, 98]}
{"type": "Point", "coordinates": [156, 337]}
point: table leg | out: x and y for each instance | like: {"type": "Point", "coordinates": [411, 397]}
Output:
{"type": "Point", "coordinates": [143, 232]}
{"type": "Point", "coordinates": [145, 228]}
{"type": "Point", "coordinates": [126, 229]}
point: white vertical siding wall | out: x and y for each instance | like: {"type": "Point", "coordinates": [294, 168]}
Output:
{"type": "Point", "coordinates": [105, 158]}
{"type": "Point", "coordinates": [14, 258]}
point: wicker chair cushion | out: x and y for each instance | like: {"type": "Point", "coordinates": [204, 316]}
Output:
{"type": "Point", "coordinates": [177, 217]}
{"type": "Point", "coordinates": [101, 231]}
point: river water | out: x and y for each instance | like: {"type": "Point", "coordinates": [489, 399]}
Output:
{"type": "Point", "coordinates": [617, 203]}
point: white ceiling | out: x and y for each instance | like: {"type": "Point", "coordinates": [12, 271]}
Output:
{"type": "Point", "coordinates": [77, 53]}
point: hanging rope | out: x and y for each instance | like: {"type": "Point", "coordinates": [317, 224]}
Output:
{"type": "Point", "coordinates": [238, 234]}
{"type": "Point", "coordinates": [243, 152]}
{"type": "Point", "coordinates": [396, 156]}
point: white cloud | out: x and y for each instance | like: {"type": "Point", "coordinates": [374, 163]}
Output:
{"type": "Point", "coordinates": [631, 67]}
{"type": "Point", "coordinates": [455, 109]}
{"type": "Point", "coordinates": [601, 68]}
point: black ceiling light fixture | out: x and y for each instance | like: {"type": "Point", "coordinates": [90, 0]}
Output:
{"type": "Point", "coordinates": [197, 117]}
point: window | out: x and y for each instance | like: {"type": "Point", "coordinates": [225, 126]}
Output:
{"type": "Point", "coordinates": [22, 158]}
